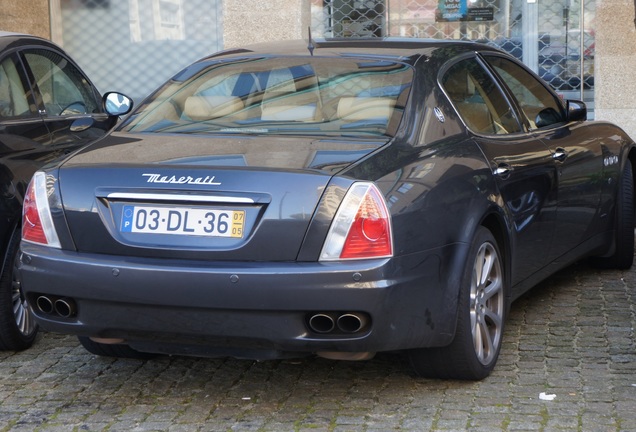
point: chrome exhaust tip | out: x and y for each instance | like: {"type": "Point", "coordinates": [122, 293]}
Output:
{"type": "Point", "coordinates": [321, 323]}
{"type": "Point", "coordinates": [351, 323]}
{"type": "Point", "coordinates": [64, 308]}
{"type": "Point", "coordinates": [44, 304]}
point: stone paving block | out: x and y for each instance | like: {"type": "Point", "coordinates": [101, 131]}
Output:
{"type": "Point", "coordinates": [573, 336]}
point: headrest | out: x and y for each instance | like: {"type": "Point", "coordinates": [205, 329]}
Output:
{"type": "Point", "coordinates": [360, 108]}
{"type": "Point", "coordinates": [459, 85]}
{"type": "Point", "coordinates": [274, 112]}
{"type": "Point", "coordinates": [210, 107]}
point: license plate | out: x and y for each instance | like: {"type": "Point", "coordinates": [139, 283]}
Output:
{"type": "Point", "coordinates": [183, 221]}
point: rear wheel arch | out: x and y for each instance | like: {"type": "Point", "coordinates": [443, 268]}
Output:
{"type": "Point", "coordinates": [11, 216]}
{"type": "Point", "coordinates": [5, 238]}
{"type": "Point", "coordinates": [495, 223]}
{"type": "Point", "coordinates": [481, 312]}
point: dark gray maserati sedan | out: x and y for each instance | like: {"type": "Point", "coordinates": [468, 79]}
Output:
{"type": "Point", "coordinates": [337, 198]}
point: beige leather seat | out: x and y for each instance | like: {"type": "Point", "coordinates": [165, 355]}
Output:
{"type": "Point", "coordinates": [471, 106]}
{"type": "Point", "coordinates": [210, 107]}
{"type": "Point", "coordinates": [360, 108]}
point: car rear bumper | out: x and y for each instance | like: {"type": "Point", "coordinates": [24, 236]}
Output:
{"type": "Point", "coordinates": [254, 310]}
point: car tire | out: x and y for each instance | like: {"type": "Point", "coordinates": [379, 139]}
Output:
{"type": "Point", "coordinates": [623, 256]}
{"type": "Point", "coordinates": [113, 350]}
{"type": "Point", "coordinates": [482, 309]}
{"type": "Point", "coordinates": [18, 328]}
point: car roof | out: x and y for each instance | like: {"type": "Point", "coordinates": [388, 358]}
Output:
{"type": "Point", "coordinates": [19, 39]}
{"type": "Point", "coordinates": [16, 35]}
{"type": "Point", "coordinates": [7, 33]}
{"type": "Point", "coordinates": [393, 48]}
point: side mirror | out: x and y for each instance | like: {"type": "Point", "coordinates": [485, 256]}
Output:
{"type": "Point", "coordinates": [117, 104]}
{"type": "Point", "coordinates": [576, 110]}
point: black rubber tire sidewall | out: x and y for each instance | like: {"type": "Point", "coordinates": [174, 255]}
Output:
{"type": "Point", "coordinates": [11, 338]}
{"type": "Point", "coordinates": [623, 256]}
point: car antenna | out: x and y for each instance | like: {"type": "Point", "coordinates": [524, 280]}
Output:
{"type": "Point", "coordinates": [311, 46]}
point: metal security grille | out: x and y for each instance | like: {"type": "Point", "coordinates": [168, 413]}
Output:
{"type": "Point", "coordinates": [133, 46]}
{"type": "Point", "coordinates": [560, 31]}
{"type": "Point", "coordinates": [555, 27]}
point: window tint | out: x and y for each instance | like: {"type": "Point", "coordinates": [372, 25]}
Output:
{"type": "Point", "coordinates": [65, 91]}
{"type": "Point", "coordinates": [540, 106]}
{"type": "Point", "coordinates": [478, 100]}
{"type": "Point", "coordinates": [13, 97]}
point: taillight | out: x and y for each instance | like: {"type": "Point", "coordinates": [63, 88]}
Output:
{"type": "Point", "coordinates": [361, 228]}
{"type": "Point", "coordinates": [37, 223]}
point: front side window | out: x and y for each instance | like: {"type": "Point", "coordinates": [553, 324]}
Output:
{"type": "Point", "coordinates": [13, 96]}
{"type": "Point", "coordinates": [479, 102]}
{"type": "Point", "coordinates": [281, 96]}
{"type": "Point", "coordinates": [64, 90]}
{"type": "Point", "coordinates": [540, 107]}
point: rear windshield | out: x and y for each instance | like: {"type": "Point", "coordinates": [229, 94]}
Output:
{"type": "Point", "coordinates": [303, 96]}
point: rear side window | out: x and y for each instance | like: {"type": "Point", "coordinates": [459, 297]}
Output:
{"type": "Point", "coordinates": [13, 96]}
{"type": "Point", "coordinates": [64, 90]}
{"type": "Point", "coordinates": [478, 100]}
{"type": "Point", "coordinates": [539, 105]}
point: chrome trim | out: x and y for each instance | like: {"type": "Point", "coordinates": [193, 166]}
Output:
{"type": "Point", "coordinates": [180, 197]}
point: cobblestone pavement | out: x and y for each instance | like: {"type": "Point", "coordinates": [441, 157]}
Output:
{"type": "Point", "coordinates": [572, 337]}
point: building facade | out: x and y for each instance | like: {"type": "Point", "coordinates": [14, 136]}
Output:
{"type": "Point", "coordinates": [586, 49]}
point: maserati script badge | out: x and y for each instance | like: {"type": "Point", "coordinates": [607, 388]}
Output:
{"type": "Point", "coordinates": [158, 178]}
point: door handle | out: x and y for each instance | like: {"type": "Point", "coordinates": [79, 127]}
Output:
{"type": "Point", "coordinates": [560, 154]}
{"type": "Point", "coordinates": [503, 171]}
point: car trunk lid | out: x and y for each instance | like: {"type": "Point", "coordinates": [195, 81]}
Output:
{"type": "Point", "coordinates": [221, 199]}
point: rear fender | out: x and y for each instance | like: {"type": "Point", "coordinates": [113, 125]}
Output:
{"type": "Point", "coordinates": [11, 211]}
{"type": "Point", "coordinates": [496, 223]}
{"type": "Point", "coordinates": [494, 220]}
{"type": "Point", "coordinates": [7, 235]}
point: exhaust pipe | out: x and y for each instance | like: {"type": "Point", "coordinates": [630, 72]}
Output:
{"type": "Point", "coordinates": [64, 308]}
{"type": "Point", "coordinates": [321, 323]}
{"type": "Point", "coordinates": [351, 323]}
{"type": "Point", "coordinates": [44, 304]}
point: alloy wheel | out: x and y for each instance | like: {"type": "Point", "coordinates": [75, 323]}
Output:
{"type": "Point", "coordinates": [23, 318]}
{"type": "Point", "coordinates": [487, 303]}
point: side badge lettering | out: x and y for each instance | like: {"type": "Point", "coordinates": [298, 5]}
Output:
{"type": "Point", "coordinates": [439, 114]}
{"type": "Point", "coordinates": [610, 160]}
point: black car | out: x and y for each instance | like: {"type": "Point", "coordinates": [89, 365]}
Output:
{"type": "Point", "coordinates": [337, 198]}
{"type": "Point", "coordinates": [47, 109]}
